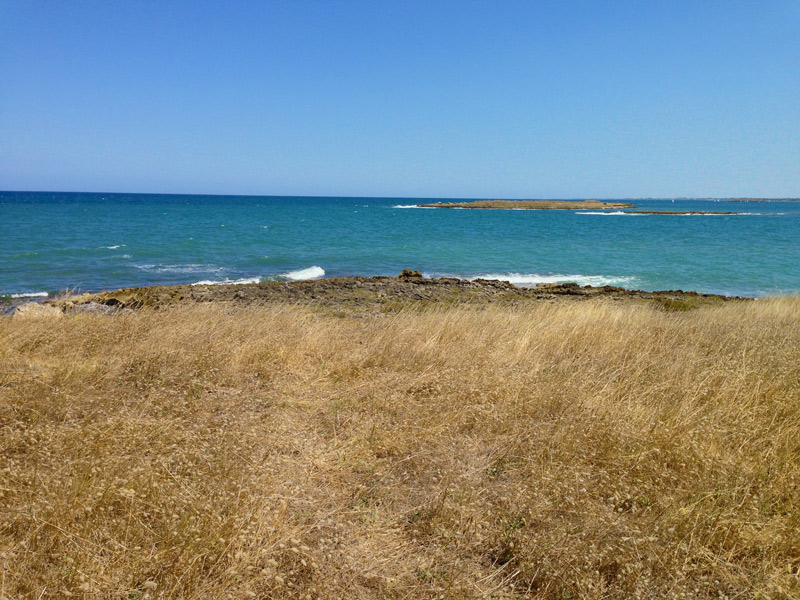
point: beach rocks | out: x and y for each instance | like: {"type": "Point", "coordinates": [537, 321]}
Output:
{"type": "Point", "coordinates": [35, 310]}
{"type": "Point", "coordinates": [94, 308]}
{"type": "Point", "coordinates": [409, 274]}
{"type": "Point", "coordinates": [374, 294]}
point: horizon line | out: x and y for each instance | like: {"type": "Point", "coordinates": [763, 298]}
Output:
{"type": "Point", "coordinates": [722, 198]}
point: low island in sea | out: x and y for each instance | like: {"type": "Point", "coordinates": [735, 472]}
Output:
{"type": "Point", "coordinates": [532, 204]}
{"type": "Point", "coordinates": [565, 205]}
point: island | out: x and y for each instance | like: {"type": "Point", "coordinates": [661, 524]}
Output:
{"type": "Point", "coordinates": [532, 204]}
{"type": "Point", "coordinates": [566, 205]}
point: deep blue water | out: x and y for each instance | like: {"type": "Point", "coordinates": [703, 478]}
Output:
{"type": "Point", "coordinates": [50, 242]}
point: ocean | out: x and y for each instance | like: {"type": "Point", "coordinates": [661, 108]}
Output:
{"type": "Point", "coordinates": [52, 242]}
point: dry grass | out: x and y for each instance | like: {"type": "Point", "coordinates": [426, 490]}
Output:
{"type": "Point", "coordinates": [557, 451]}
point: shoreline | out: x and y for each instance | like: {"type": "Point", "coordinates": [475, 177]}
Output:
{"type": "Point", "coordinates": [368, 295]}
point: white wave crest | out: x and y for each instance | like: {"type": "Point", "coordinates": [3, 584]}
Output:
{"type": "Point", "coordinates": [406, 206]}
{"type": "Point", "coordinates": [115, 247]}
{"type": "Point", "coordinates": [309, 273]}
{"type": "Point", "coordinates": [228, 281]}
{"type": "Point", "coordinates": [531, 279]}
{"type": "Point", "coordinates": [187, 268]}
{"type": "Point", "coordinates": [615, 212]}
{"type": "Point", "coordinates": [30, 295]}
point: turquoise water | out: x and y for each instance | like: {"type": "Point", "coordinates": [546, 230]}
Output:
{"type": "Point", "coordinates": [55, 241]}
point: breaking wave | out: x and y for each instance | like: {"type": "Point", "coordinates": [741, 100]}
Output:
{"type": "Point", "coordinates": [615, 212]}
{"type": "Point", "coordinates": [303, 274]}
{"type": "Point", "coordinates": [531, 279]}
{"type": "Point", "coordinates": [228, 281]}
{"type": "Point", "coordinates": [30, 295]}
{"type": "Point", "coordinates": [180, 268]}
{"type": "Point", "coordinates": [412, 206]}
{"type": "Point", "coordinates": [300, 275]}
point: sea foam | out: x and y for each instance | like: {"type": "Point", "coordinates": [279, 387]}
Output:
{"type": "Point", "coordinates": [614, 212]}
{"type": "Point", "coordinates": [314, 272]}
{"type": "Point", "coordinates": [180, 268]}
{"type": "Point", "coordinates": [30, 295]}
{"type": "Point", "coordinates": [531, 279]}
{"type": "Point", "coordinates": [228, 281]}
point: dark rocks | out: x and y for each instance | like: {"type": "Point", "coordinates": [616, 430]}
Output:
{"type": "Point", "coordinates": [94, 308]}
{"type": "Point", "coordinates": [409, 274]}
{"type": "Point", "coordinates": [377, 294]}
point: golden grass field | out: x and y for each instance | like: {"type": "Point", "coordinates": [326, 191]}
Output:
{"type": "Point", "coordinates": [555, 450]}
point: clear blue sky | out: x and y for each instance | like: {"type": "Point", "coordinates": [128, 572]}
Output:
{"type": "Point", "coordinates": [534, 99]}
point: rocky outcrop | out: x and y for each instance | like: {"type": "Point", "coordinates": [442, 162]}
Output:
{"type": "Point", "coordinates": [36, 310]}
{"type": "Point", "coordinates": [91, 307]}
{"type": "Point", "coordinates": [377, 294]}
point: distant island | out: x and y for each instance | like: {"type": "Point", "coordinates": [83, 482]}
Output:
{"type": "Point", "coordinates": [565, 205]}
{"type": "Point", "coordinates": [532, 204]}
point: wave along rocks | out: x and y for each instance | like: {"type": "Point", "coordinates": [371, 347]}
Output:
{"type": "Point", "coordinates": [615, 213]}
{"type": "Point", "coordinates": [228, 281]}
{"type": "Point", "coordinates": [301, 275]}
{"type": "Point", "coordinates": [30, 295]}
{"type": "Point", "coordinates": [531, 279]}
{"type": "Point", "coordinates": [314, 272]}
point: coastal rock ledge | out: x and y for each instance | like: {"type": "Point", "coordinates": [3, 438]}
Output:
{"type": "Point", "coordinates": [366, 295]}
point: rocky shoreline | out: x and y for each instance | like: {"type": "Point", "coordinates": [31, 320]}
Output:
{"type": "Point", "coordinates": [362, 295]}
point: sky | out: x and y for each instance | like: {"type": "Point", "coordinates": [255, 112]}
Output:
{"type": "Point", "coordinates": [534, 99]}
